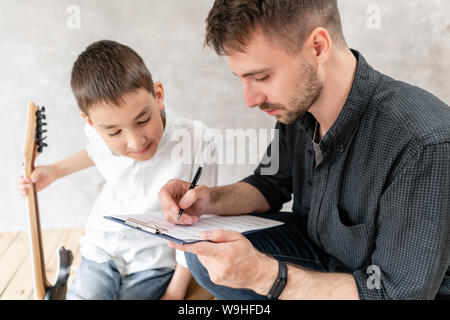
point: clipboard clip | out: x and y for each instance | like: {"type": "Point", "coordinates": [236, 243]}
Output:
{"type": "Point", "coordinates": [150, 227]}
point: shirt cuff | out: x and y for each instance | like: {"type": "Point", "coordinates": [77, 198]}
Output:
{"type": "Point", "coordinates": [181, 259]}
{"type": "Point", "coordinates": [271, 194]}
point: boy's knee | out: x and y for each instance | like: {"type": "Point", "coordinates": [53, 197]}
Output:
{"type": "Point", "coordinates": [94, 281]}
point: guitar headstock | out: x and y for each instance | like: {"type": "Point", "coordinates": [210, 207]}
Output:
{"type": "Point", "coordinates": [34, 136]}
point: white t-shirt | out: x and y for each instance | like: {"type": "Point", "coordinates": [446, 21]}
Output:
{"type": "Point", "coordinates": [132, 187]}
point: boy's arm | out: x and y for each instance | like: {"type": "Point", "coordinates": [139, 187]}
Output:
{"type": "Point", "coordinates": [73, 164]}
{"type": "Point", "coordinates": [43, 176]}
{"type": "Point", "coordinates": [178, 285]}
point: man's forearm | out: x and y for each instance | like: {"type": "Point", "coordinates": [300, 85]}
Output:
{"type": "Point", "coordinates": [312, 285]}
{"type": "Point", "coordinates": [306, 284]}
{"type": "Point", "coordinates": [236, 199]}
{"type": "Point", "coordinates": [73, 164]}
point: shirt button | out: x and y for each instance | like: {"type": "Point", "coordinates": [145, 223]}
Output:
{"type": "Point", "coordinates": [310, 182]}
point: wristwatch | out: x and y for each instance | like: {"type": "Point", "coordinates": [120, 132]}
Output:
{"type": "Point", "coordinates": [280, 282]}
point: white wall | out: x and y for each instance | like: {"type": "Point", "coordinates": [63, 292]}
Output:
{"type": "Point", "coordinates": [38, 48]}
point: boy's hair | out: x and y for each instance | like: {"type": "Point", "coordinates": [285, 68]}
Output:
{"type": "Point", "coordinates": [105, 72]}
{"type": "Point", "coordinates": [230, 23]}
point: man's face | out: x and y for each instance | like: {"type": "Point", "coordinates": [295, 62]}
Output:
{"type": "Point", "coordinates": [282, 84]}
{"type": "Point", "coordinates": [133, 129]}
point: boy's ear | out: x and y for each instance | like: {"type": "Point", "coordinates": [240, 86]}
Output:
{"type": "Point", "coordinates": [159, 94]}
{"type": "Point", "coordinates": [86, 118]}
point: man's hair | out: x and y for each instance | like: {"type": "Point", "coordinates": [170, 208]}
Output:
{"type": "Point", "coordinates": [230, 23]}
{"type": "Point", "coordinates": [105, 72]}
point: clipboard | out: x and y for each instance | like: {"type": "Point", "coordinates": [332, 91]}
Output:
{"type": "Point", "coordinates": [153, 230]}
{"type": "Point", "coordinates": [154, 224]}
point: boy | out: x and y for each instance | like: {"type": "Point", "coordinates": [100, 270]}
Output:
{"type": "Point", "coordinates": [129, 130]}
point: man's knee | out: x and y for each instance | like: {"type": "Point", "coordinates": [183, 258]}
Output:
{"type": "Point", "coordinates": [201, 276]}
{"type": "Point", "coordinates": [196, 268]}
{"type": "Point", "coordinates": [192, 262]}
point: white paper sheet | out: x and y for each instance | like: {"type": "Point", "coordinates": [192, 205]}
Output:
{"type": "Point", "coordinates": [206, 223]}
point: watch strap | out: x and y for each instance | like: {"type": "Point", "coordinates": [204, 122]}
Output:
{"type": "Point", "coordinates": [280, 282]}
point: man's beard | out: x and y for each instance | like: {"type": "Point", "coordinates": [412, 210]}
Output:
{"type": "Point", "coordinates": [307, 92]}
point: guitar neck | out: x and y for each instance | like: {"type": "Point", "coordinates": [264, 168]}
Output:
{"type": "Point", "coordinates": [34, 144]}
{"type": "Point", "coordinates": [38, 264]}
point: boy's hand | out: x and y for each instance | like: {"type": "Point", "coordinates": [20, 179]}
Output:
{"type": "Point", "coordinates": [41, 176]}
{"type": "Point", "coordinates": [176, 194]}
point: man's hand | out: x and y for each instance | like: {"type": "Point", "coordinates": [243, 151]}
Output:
{"type": "Point", "coordinates": [232, 261]}
{"type": "Point", "coordinates": [175, 195]}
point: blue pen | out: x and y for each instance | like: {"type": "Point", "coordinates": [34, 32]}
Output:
{"type": "Point", "coordinates": [192, 186]}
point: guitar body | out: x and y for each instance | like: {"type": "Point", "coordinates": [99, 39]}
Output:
{"type": "Point", "coordinates": [42, 288]}
{"type": "Point", "coordinates": [59, 289]}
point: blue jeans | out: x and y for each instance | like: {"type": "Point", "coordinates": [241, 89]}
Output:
{"type": "Point", "coordinates": [102, 281]}
{"type": "Point", "coordinates": [288, 242]}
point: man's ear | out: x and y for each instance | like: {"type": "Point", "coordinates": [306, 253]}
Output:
{"type": "Point", "coordinates": [159, 94]}
{"type": "Point", "coordinates": [86, 118]}
{"type": "Point", "coordinates": [318, 46]}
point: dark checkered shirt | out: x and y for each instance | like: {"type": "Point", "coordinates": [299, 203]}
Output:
{"type": "Point", "coordinates": [380, 197]}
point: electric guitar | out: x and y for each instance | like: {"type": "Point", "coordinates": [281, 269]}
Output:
{"type": "Point", "coordinates": [34, 144]}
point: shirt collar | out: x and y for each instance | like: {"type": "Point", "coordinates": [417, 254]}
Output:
{"type": "Point", "coordinates": [355, 105]}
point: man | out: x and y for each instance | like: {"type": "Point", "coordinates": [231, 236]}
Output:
{"type": "Point", "coordinates": [367, 159]}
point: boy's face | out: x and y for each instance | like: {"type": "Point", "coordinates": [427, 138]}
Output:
{"type": "Point", "coordinates": [133, 129]}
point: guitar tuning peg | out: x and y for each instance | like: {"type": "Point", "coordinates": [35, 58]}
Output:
{"type": "Point", "coordinates": [40, 130]}
{"type": "Point", "coordinates": [40, 113]}
{"type": "Point", "coordinates": [42, 145]}
{"type": "Point", "coordinates": [40, 149]}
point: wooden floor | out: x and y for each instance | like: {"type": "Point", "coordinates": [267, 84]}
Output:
{"type": "Point", "coordinates": [15, 263]}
